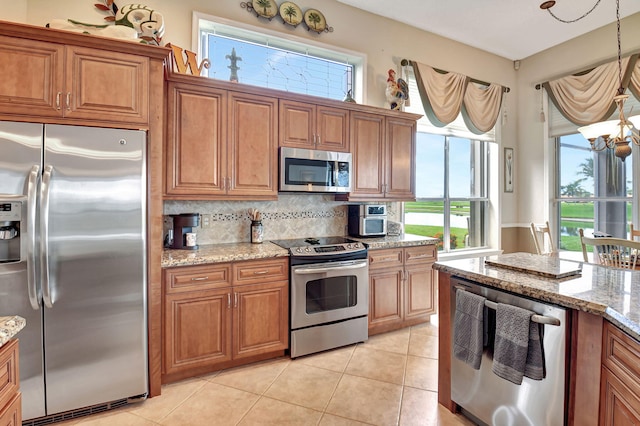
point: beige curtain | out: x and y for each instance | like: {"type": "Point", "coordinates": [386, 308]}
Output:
{"type": "Point", "coordinates": [634, 84]}
{"type": "Point", "coordinates": [587, 98]}
{"type": "Point", "coordinates": [445, 94]}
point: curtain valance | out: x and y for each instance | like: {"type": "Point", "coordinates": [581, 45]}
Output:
{"type": "Point", "coordinates": [445, 94]}
{"type": "Point", "coordinates": [587, 98]}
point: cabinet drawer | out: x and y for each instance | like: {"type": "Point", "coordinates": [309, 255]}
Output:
{"type": "Point", "coordinates": [621, 354]}
{"type": "Point", "coordinates": [420, 254]}
{"type": "Point", "coordinates": [255, 272]}
{"type": "Point", "coordinates": [385, 258]}
{"type": "Point", "coordinates": [9, 378]}
{"type": "Point", "coordinates": [191, 278]}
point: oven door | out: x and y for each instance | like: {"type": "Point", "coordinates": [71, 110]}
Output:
{"type": "Point", "coordinates": [326, 292]}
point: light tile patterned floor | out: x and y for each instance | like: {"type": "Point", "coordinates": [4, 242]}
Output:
{"type": "Point", "coordinates": [389, 380]}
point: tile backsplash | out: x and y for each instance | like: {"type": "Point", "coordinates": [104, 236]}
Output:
{"type": "Point", "coordinates": [291, 216]}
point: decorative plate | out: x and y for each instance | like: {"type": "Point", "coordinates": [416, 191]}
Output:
{"type": "Point", "coordinates": [314, 19]}
{"type": "Point", "coordinates": [290, 13]}
{"type": "Point", "coordinates": [265, 8]}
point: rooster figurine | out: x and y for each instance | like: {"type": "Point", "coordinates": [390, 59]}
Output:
{"type": "Point", "coordinates": [397, 92]}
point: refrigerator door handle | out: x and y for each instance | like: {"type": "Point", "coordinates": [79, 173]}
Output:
{"type": "Point", "coordinates": [32, 187]}
{"type": "Point", "coordinates": [44, 236]}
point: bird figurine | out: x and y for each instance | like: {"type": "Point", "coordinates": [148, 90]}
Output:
{"type": "Point", "coordinates": [397, 92]}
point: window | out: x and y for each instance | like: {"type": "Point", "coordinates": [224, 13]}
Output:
{"type": "Point", "coordinates": [451, 191]}
{"type": "Point", "coordinates": [452, 181]}
{"type": "Point", "coordinates": [594, 192]}
{"type": "Point", "coordinates": [269, 59]}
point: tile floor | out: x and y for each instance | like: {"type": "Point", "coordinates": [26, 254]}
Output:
{"type": "Point", "coordinates": [389, 380]}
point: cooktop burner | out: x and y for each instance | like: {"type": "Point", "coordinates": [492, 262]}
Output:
{"type": "Point", "coordinates": [319, 246]}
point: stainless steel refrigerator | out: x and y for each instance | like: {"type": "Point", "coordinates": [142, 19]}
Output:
{"type": "Point", "coordinates": [82, 286]}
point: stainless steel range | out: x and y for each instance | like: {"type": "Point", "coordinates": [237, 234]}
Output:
{"type": "Point", "coordinates": [329, 293]}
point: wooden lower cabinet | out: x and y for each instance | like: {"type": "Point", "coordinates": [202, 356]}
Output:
{"type": "Point", "coordinates": [618, 404]}
{"type": "Point", "coordinates": [220, 315]}
{"type": "Point", "coordinates": [10, 397]}
{"type": "Point", "coordinates": [401, 287]}
{"type": "Point", "coordinates": [620, 378]}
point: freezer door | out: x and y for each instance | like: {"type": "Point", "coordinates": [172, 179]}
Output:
{"type": "Point", "coordinates": [94, 251]}
{"type": "Point", "coordinates": [20, 160]}
{"type": "Point", "coordinates": [20, 150]}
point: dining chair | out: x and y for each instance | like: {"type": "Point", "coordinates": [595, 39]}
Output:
{"type": "Point", "coordinates": [542, 238]}
{"type": "Point", "coordinates": [616, 252]}
{"type": "Point", "coordinates": [633, 233]}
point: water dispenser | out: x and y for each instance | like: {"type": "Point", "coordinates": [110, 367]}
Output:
{"type": "Point", "coordinates": [12, 227]}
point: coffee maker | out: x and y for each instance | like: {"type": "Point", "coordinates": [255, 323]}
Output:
{"type": "Point", "coordinates": [183, 224]}
{"type": "Point", "coordinates": [12, 228]}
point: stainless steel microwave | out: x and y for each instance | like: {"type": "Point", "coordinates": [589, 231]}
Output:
{"type": "Point", "coordinates": [309, 170]}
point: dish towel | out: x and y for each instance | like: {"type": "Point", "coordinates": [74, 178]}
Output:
{"type": "Point", "coordinates": [468, 328]}
{"type": "Point", "coordinates": [518, 345]}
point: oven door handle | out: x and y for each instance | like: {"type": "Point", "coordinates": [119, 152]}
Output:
{"type": "Point", "coordinates": [316, 270]}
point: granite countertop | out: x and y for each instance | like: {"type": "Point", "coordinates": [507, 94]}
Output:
{"type": "Point", "coordinates": [229, 252]}
{"type": "Point", "coordinates": [218, 253]}
{"type": "Point", "coordinates": [9, 327]}
{"type": "Point", "coordinates": [392, 241]}
{"type": "Point", "coordinates": [608, 292]}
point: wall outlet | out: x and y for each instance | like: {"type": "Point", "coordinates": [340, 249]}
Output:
{"type": "Point", "coordinates": [205, 221]}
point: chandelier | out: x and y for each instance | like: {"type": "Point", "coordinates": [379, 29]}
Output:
{"type": "Point", "coordinates": [612, 134]}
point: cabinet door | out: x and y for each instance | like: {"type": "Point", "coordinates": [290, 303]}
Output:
{"type": "Point", "coordinates": [332, 129]}
{"type": "Point", "coordinates": [196, 147]}
{"type": "Point", "coordinates": [11, 415]}
{"type": "Point", "coordinates": [253, 131]}
{"type": "Point", "coordinates": [367, 145]}
{"type": "Point", "coordinates": [106, 86]}
{"type": "Point", "coordinates": [260, 319]}
{"type": "Point", "coordinates": [197, 330]}
{"type": "Point", "coordinates": [9, 373]}
{"type": "Point", "coordinates": [419, 291]}
{"type": "Point", "coordinates": [618, 405]}
{"type": "Point", "coordinates": [297, 124]}
{"type": "Point", "coordinates": [400, 156]}
{"type": "Point", "coordinates": [385, 298]}
{"type": "Point", "coordinates": [31, 76]}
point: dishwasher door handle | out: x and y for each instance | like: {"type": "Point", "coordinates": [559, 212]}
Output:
{"type": "Point", "coordinates": [541, 319]}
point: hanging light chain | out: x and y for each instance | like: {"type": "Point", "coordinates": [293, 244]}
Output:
{"type": "Point", "coordinates": [573, 20]}
{"type": "Point", "coordinates": [620, 89]}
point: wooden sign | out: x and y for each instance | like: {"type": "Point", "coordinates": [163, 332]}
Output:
{"type": "Point", "coordinates": [190, 65]}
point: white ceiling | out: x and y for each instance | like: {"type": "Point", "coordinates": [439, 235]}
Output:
{"type": "Point", "coordinates": [514, 29]}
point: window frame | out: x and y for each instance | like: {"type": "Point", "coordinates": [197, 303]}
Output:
{"type": "Point", "coordinates": [358, 59]}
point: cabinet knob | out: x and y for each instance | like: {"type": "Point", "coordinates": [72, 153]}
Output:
{"type": "Point", "coordinates": [58, 100]}
{"type": "Point", "coordinates": [68, 101]}
{"type": "Point", "coordinates": [199, 279]}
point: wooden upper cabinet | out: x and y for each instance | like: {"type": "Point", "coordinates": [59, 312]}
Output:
{"type": "Point", "coordinates": [253, 146]}
{"type": "Point", "coordinates": [196, 147]}
{"type": "Point", "coordinates": [106, 86]}
{"type": "Point", "coordinates": [305, 125]}
{"type": "Point", "coordinates": [53, 80]}
{"type": "Point", "coordinates": [383, 158]}
{"type": "Point", "coordinates": [32, 75]}
{"type": "Point", "coordinates": [400, 159]}
{"type": "Point", "coordinates": [367, 146]}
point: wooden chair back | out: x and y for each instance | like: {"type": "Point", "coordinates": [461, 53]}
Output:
{"type": "Point", "coordinates": [633, 233]}
{"type": "Point", "coordinates": [616, 252]}
{"type": "Point", "coordinates": [542, 238]}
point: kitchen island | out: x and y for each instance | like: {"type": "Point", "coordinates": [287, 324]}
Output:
{"type": "Point", "coordinates": [603, 323]}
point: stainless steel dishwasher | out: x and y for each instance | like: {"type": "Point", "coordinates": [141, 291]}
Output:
{"type": "Point", "coordinates": [487, 398]}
